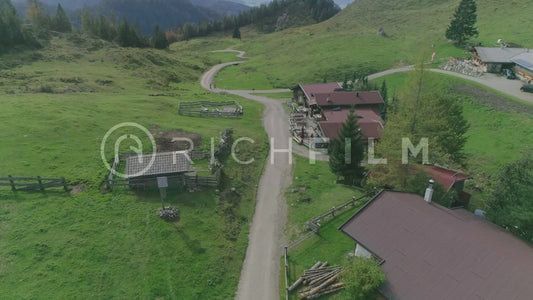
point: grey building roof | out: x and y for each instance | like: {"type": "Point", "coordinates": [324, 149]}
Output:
{"type": "Point", "coordinates": [432, 252]}
{"type": "Point", "coordinates": [158, 164]}
{"type": "Point", "coordinates": [498, 55]}
{"type": "Point", "coordinates": [524, 60]}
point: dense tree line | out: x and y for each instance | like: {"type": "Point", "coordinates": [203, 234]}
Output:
{"type": "Point", "coordinates": [12, 31]}
{"type": "Point", "coordinates": [38, 25]}
{"type": "Point", "coordinates": [124, 33]}
{"type": "Point", "coordinates": [277, 15]}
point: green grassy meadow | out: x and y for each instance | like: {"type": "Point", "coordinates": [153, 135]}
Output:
{"type": "Point", "coordinates": [349, 41]}
{"type": "Point", "coordinates": [55, 111]}
{"type": "Point", "coordinates": [317, 192]}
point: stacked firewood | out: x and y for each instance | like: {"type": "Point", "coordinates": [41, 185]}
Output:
{"type": "Point", "coordinates": [320, 280]}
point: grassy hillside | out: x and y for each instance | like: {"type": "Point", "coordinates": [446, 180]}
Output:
{"type": "Point", "coordinates": [349, 41]}
{"type": "Point", "coordinates": [56, 106]}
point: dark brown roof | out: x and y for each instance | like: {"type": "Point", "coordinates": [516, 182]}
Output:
{"type": "Point", "coordinates": [162, 164]}
{"type": "Point", "coordinates": [310, 90]}
{"type": "Point", "coordinates": [431, 252]}
{"type": "Point", "coordinates": [369, 121]}
{"type": "Point", "coordinates": [444, 176]}
{"type": "Point", "coordinates": [348, 98]}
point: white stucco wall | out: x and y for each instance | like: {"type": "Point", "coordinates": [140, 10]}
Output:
{"type": "Point", "coordinates": [360, 251]}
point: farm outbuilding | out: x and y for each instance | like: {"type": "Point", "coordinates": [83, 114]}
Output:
{"type": "Point", "coordinates": [524, 65]}
{"type": "Point", "coordinates": [158, 164]}
{"type": "Point", "coordinates": [493, 60]}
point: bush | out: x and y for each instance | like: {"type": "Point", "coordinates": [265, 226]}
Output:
{"type": "Point", "coordinates": [361, 278]}
{"type": "Point", "coordinates": [46, 89]}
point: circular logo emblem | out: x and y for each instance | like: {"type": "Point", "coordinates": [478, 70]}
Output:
{"type": "Point", "coordinates": [138, 150]}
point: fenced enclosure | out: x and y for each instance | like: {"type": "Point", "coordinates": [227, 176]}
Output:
{"type": "Point", "coordinates": [33, 183]}
{"type": "Point", "coordinates": [210, 109]}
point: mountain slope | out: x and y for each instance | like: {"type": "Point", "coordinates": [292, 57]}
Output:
{"type": "Point", "coordinates": [222, 7]}
{"type": "Point", "coordinates": [349, 41]}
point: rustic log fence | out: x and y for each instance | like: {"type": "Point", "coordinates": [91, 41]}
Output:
{"type": "Point", "coordinates": [33, 183]}
{"type": "Point", "coordinates": [314, 224]}
{"type": "Point", "coordinates": [313, 227]}
{"type": "Point", "coordinates": [211, 109]}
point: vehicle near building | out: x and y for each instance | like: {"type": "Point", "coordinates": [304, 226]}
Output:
{"type": "Point", "coordinates": [527, 88]}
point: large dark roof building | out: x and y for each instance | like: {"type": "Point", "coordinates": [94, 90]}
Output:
{"type": "Point", "coordinates": [431, 252]}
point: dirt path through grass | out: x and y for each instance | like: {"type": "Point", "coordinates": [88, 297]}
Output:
{"type": "Point", "coordinates": [260, 272]}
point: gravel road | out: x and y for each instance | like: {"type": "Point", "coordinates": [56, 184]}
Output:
{"type": "Point", "coordinates": [260, 272]}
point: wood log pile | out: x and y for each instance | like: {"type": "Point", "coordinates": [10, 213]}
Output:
{"type": "Point", "coordinates": [169, 213]}
{"type": "Point", "coordinates": [319, 280]}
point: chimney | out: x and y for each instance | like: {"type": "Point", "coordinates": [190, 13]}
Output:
{"type": "Point", "coordinates": [357, 94]}
{"type": "Point", "coordinates": [429, 191]}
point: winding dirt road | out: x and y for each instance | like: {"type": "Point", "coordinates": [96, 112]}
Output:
{"type": "Point", "coordinates": [260, 272]}
{"type": "Point", "coordinates": [261, 267]}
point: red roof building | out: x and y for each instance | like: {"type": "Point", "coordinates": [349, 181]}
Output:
{"type": "Point", "coordinates": [347, 99]}
{"type": "Point", "coordinates": [447, 178]}
{"type": "Point", "coordinates": [369, 121]}
{"type": "Point", "coordinates": [428, 251]}
{"type": "Point", "coordinates": [310, 90]}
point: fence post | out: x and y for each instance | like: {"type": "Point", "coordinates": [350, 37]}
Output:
{"type": "Point", "coordinates": [64, 182]}
{"type": "Point", "coordinates": [13, 188]}
{"type": "Point", "coordinates": [286, 275]}
{"type": "Point", "coordinates": [333, 211]}
{"type": "Point", "coordinates": [40, 183]}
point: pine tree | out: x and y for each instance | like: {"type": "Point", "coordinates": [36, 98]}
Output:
{"type": "Point", "coordinates": [42, 22]}
{"type": "Point", "coordinates": [462, 26]}
{"type": "Point", "coordinates": [61, 22]}
{"type": "Point", "coordinates": [236, 33]}
{"type": "Point", "coordinates": [124, 35]}
{"type": "Point", "coordinates": [347, 151]}
{"type": "Point", "coordinates": [159, 39]}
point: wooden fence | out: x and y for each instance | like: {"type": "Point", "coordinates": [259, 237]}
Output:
{"type": "Point", "coordinates": [286, 275]}
{"type": "Point", "coordinates": [193, 180]}
{"type": "Point", "coordinates": [210, 109]}
{"type": "Point", "coordinates": [189, 180]}
{"type": "Point", "coordinates": [33, 183]}
{"type": "Point", "coordinates": [314, 224]}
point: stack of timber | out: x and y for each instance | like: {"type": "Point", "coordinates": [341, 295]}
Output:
{"type": "Point", "coordinates": [319, 280]}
